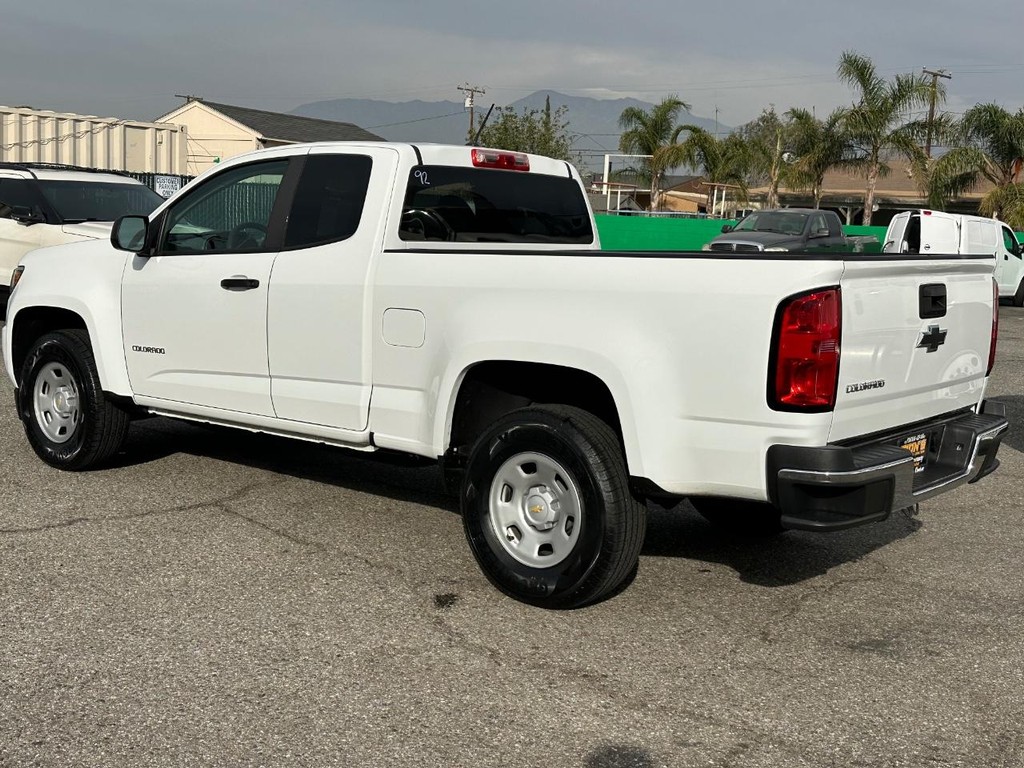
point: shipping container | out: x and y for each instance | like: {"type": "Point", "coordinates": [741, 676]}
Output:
{"type": "Point", "coordinates": [107, 143]}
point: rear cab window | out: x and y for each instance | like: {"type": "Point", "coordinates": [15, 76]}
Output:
{"type": "Point", "coordinates": [482, 205]}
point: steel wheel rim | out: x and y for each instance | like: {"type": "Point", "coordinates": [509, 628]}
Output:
{"type": "Point", "coordinates": [55, 402]}
{"type": "Point", "coordinates": [535, 510]}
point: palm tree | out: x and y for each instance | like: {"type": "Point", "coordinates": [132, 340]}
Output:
{"type": "Point", "coordinates": [878, 123]}
{"type": "Point", "coordinates": [1006, 203]}
{"type": "Point", "coordinates": [724, 161]}
{"type": "Point", "coordinates": [988, 143]}
{"type": "Point", "coordinates": [653, 133]}
{"type": "Point", "coordinates": [768, 140]}
{"type": "Point", "coordinates": [818, 146]}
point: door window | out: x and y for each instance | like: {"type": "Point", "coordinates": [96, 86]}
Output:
{"type": "Point", "coordinates": [16, 193]}
{"type": "Point", "coordinates": [328, 200]}
{"type": "Point", "coordinates": [818, 226]}
{"type": "Point", "coordinates": [1010, 241]}
{"type": "Point", "coordinates": [228, 214]}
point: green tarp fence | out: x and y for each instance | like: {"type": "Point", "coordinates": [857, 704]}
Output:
{"type": "Point", "coordinates": [644, 233]}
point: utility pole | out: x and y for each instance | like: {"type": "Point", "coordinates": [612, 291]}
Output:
{"type": "Point", "coordinates": [471, 91]}
{"type": "Point", "coordinates": [935, 75]}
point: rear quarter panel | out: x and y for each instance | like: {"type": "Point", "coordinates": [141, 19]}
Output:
{"type": "Point", "coordinates": [682, 342]}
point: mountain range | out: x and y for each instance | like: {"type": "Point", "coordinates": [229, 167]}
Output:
{"type": "Point", "coordinates": [593, 123]}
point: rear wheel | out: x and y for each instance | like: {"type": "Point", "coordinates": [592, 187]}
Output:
{"type": "Point", "coordinates": [547, 508]}
{"type": "Point", "coordinates": [69, 422]}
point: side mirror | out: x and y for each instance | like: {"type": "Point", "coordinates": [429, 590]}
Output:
{"type": "Point", "coordinates": [25, 215]}
{"type": "Point", "coordinates": [129, 233]}
{"type": "Point", "coordinates": [726, 228]}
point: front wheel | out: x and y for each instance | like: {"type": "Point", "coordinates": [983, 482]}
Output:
{"type": "Point", "coordinates": [69, 422]}
{"type": "Point", "coordinates": [547, 507]}
{"type": "Point", "coordinates": [1018, 297]}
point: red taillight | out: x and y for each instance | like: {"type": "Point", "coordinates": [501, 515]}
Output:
{"type": "Point", "coordinates": [995, 327]}
{"type": "Point", "coordinates": [806, 352]}
{"type": "Point", "coordinates": [492, 158]}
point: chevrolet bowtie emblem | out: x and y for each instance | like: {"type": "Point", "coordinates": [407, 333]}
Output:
{"type": "Point", "coordinates": [932, 339]}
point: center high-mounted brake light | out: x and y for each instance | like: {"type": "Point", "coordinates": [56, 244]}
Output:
{"type": "Point", "coordinates": [509, 161]}
{"type": "Point", "coordinates": [805, 353]}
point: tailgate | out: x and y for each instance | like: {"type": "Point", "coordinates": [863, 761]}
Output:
{"type": "Point", "coordinates": [915, 341]}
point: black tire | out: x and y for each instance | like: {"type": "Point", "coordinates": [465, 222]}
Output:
{"type": "Point", "coordinates": [1018, 297]}
{"type": "Point", "coordinates": [736, 517]}
{"type": "Point", "coordinates": [93, 427]}
{"type": "Point", "coordinates": [603, 535]}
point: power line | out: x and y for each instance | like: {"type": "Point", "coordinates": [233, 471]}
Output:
{"type": "Point", "coordinates": [417, 120]}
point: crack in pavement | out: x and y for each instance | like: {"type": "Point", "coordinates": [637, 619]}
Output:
{"type": "Point", "coordinates": [215, 503]}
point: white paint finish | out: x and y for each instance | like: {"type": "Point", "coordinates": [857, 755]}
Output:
{"type": "Point", "coordinates": [319, 323]}
{"type": "Point", "coordinates": [404, 327]}
{"type": "Point", "coordinates": [682, 344]}
{"type": "Point", "coordinates": [83, 278]}
{"type": "Point", "coordinates": [644, 326]}
{"type": "Point", "coordinates": [882, 328]}
{"type": "Point", "coordinates": [214, 340]}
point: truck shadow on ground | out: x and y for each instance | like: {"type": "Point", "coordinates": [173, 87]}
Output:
{"type": "Point", "coordinates": [781, 560]}
{"type": "Point", "coordinates": [678, 532]}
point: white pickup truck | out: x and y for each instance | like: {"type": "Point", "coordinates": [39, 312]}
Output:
{"type": "Point", "coordinates": [453, 303]}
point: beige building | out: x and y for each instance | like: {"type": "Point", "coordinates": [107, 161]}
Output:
{"type": "Point", "coordinates": [219, 131]}
{"type": "Point", "coordinates": [107, 143]}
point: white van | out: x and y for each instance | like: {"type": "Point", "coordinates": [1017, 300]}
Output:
{"type": "Point", "coordinates": [936, 232]}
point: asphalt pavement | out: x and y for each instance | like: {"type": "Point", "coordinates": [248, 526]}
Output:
{"type": "Point", "coordinates": [219, 598]}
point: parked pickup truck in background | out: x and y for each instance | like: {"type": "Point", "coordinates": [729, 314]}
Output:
{"type": "Point", "coordinates": [453, 304]}
{"type": "Point", "coordinates": [787, 229]}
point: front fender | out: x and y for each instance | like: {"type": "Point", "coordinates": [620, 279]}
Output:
{"type": "Point", "coordinates": [83, 279]}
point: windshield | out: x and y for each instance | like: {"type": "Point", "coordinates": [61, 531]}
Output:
{"type": "Point", "coordinates": [493, 206]}
{"type": "Point", "coordinates": [76, 201]}
{"type": "Point", "coordinates": [780, 222]}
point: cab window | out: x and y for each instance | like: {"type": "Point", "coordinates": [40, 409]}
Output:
{"type": "Point", "coordinates": [228, 214]}
{"type": "Point", "coordinates": [328, 201]}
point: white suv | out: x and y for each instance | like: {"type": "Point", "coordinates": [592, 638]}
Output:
{"type": "Point", "coordinates": [41, 206]}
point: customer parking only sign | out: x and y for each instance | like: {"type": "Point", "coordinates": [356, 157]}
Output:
{"type": "Point", "coordinates": [165, 186]}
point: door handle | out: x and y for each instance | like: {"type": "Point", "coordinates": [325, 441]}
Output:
{"type": "Point", "coordinates": [239, 283]}
{"type": "Point", "coordinates": [932, 300]}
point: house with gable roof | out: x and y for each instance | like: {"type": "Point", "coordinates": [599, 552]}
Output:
{"type": "Point", "coordinates": [219, 131]}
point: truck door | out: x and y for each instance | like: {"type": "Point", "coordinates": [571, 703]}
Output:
{"type": "Point", "coordinates": [895, 234]}
{"type": "Point", "coordinates": [318, 320]}
{"type": "Point", "coordinates": [195, 313]}
{"type": "Point", "coordinates": [940, 234]}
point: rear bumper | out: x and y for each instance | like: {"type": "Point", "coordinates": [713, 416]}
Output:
{"type": "Point", "coordinates": [837, 487]}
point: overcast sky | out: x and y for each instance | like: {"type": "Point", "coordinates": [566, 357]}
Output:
{"type": "Point", "coordinates": [129, 59]}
